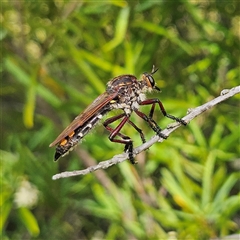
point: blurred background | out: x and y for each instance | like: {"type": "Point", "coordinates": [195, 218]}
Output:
{"type": "Point", "coordinates": [57, 57]}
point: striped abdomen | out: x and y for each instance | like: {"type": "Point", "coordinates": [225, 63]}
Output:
{"type": "Point", "coordinates": [69, 142]}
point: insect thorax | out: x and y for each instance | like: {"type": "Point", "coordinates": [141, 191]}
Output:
{"type": "Point", "coordinates": [130, 93]}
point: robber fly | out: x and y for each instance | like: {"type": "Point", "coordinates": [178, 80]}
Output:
{"type": "Point", "coordinates": [124, 92]}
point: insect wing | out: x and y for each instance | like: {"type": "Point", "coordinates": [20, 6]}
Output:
{"type": "Point", "coordinates": [95, 106]}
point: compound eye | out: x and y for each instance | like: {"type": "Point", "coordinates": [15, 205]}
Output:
{"type": "Point", "coordinates": [151, 80]}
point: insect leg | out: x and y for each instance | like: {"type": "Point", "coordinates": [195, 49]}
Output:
{"type": "Point", "coordinates": [111, 120]}
{"type": "Point", "coordinates": [138, 130]}
{"type": "Point", "coordinates": [115, 118]}
{"type": "Point", "coordinates": [156, 100]}
{"type": "Point", "coordinates": [116, 132]}
{"type": "Point", "coordinates": [151, 123]}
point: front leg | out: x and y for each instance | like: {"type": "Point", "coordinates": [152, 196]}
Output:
{"type": "Point", "coordinates": [153, 103]}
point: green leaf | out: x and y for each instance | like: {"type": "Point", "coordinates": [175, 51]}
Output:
{"type": "Point", "coordinates": [28, 111]}
{"type": "Point", "coordinates": [171, 35]}
{"type": "Point", "coordinates": [25, 79]}
{"type": "Point", "coordinates": [207, 179]}
{"type": "Point", "coordinates": [120, 30]}
{"type": "Point", "coordinates": [216, 135]}
{"type": "Point", "coordinates": [86, 69]}
{"type": "Point", "coordinates": [5, 211]}
{"type": "Point", "coordinates": [198, 134]}
{"type": "Point", "coordinates": [29, 220]}
{"type": "Point", "coordinates": [180, 197]}
{"type": "Point", "coordinates": [225, 189]}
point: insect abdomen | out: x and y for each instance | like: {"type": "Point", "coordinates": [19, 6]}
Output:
{"type": "Point", "coordinates": [68, 143]}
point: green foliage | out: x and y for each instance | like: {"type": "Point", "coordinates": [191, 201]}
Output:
{"type": "Point", "coordinates": [57, 58]}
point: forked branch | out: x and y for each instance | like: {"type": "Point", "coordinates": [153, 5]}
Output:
{"type": "Point", "coordinates": [192, 113]}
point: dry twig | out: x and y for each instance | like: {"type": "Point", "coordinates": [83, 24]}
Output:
{"type": "Point", "coordinates": [192, 113]}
